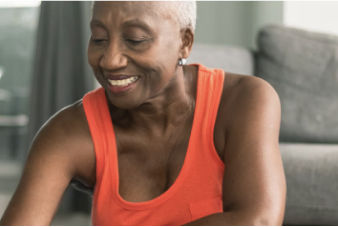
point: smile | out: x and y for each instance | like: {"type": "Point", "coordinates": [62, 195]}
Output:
{"type": "Point", "coordinates": [124, 82]}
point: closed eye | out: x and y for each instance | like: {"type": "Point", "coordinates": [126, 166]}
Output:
{"type": "Point", "coordinates": [98, 40]}
{"type": "Point", "coordinates": [135, 42]}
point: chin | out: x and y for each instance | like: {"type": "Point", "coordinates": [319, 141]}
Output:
{"type": "Point", "coordinates": [124, 103]}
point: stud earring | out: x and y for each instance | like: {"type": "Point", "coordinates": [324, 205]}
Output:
{"type": "Point", "coordinates": [182, 61]}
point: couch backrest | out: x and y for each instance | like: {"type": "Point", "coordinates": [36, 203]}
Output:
{"type": "Point", "coordinates": [303, 68]}
{"type": "Point", "coordinates": [230, 59]}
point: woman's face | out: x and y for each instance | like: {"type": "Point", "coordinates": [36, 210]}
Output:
{"type": "Point", "coordinates": [129, 41]}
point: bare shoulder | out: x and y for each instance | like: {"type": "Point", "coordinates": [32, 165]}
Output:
{"type": "Point", "coordinates": [244, 95]}
{"type": "Point", "coordinates": [242, 87]}
{"type": "Point", "coordinates": [71, 121]}
{"type": "Point", "coordinates": [244, 99]}
{"type": "Point", "coordinates": [66, 135]}
{"type": "Point", "coordinates": [65, 119]}
{"type": "Point", "coordinates": [254, 87]}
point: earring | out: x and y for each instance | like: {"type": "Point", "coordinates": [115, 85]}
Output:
{"type": "Point", "coordinates": [182, 61]}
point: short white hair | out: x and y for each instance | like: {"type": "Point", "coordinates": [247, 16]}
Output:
{"type": "Point", "coordinates": [182, 12]}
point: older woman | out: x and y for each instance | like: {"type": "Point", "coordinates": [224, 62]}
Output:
{"type": "Point", "coordinates": [161, 142]}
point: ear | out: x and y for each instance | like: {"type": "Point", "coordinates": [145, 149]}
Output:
{"type": "Point", "coordinates": [187, 37]}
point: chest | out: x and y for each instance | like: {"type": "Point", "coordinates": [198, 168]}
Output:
{"type": "Point", "coordinates": [149, 166]}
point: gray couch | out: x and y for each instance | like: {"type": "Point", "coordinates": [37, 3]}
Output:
{"type": "Point", "coordinates": [303, 68]}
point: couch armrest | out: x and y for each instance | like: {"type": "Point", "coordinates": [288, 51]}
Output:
{"type": "Point", "coordinates": [229, 58]}
{"type": "Point", "coordinates": [311, 172]}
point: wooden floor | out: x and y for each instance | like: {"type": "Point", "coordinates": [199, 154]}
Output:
{"type": "Point", "coordinates": [72, 220]}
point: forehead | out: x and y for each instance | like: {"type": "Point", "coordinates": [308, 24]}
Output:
{"type": "Point", "coordinates": [125, 9]}
{"type": "Point", "coordinates": [115, 14]}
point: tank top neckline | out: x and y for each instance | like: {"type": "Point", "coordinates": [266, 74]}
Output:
{"type": "Point", "coordinates": [113, 156]}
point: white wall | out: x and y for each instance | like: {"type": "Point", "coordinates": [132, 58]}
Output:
{"type": "Point", "coordinates": [19, 3]}
{"type": "Point", "coordinates": [235, 23]}
{"type": "Point", "coordinates": [319, 16]}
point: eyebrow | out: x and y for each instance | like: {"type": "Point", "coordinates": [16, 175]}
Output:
{"type": "Point", "coordinates": [130, 23]}
{"type": "Point", "coordinates": [136, 23]}
{"type": "Point", "coordinates": [95, 22]}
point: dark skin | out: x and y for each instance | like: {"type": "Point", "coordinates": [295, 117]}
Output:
{"type": "Point", "coordinates": [152, 124]}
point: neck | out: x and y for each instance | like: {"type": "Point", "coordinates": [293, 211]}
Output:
{"type": "Point", "coordinates": [168, 109]}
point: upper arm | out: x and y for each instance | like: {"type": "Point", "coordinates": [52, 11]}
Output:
{"type": "Point", "coordinates": [254, 181]}
{"type": "Point", "coordinates": [50, 166]}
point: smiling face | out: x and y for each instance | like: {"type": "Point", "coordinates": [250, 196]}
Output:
{"type": "Point", "coordinates": [129, 41]}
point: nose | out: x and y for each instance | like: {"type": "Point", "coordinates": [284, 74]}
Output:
{"type": "Point", "coordinates": [113, 58]}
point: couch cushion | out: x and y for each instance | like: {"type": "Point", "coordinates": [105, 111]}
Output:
{"type": "Point", "coordinates": [230, 59]}
{"type": "Point", "coordinates": [303, 68]}
{"type": "Point", "coordinates": [311, 173]}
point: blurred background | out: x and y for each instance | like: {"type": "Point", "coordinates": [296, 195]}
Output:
{"type": "Point", "coordinates": [43, 68]}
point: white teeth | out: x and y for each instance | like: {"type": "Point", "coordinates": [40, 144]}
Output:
{"type": "Point", "coordinates": [124, 82]}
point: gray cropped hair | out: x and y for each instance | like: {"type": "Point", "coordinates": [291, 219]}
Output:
{"type": "Point", "coordinates": [182, 12]}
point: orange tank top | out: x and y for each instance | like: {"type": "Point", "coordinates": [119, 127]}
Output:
{"type": "Point", "coordinates": [197, 191]}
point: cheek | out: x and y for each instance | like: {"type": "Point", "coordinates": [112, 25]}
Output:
{"type": "Point", "coordinates": [159, 76]}
{"type": "Point", "coordinates": [93, 57]}
{"type": "Point", "coordinates": [161, 65]}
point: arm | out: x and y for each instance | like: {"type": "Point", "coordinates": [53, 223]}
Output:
{"type": "Point", "coordinates": [50, 166]}
{"type": "Point", "coordinates": [254, 188]}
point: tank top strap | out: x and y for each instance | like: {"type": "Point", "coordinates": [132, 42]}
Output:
{"type": "Point", "coordinates": [209, 93]}
{"type": "Point", "coordinates": [97, 113]}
